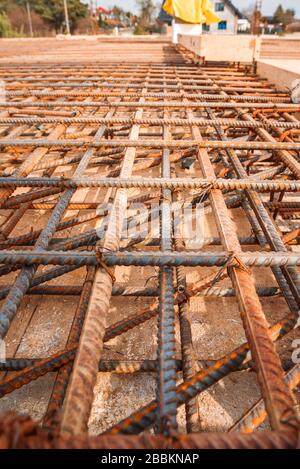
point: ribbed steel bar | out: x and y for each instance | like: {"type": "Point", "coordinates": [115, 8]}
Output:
{"type": "Point", "coordinates": [106, 366]}
{"type": "Point", "coordinates": [252, 156]}
{"type": "Point", "coordinates": [22, 283]}
{"type": "Point", "coordinates": [105, 94]}
{"type": "Point", "coordinates": [157, 183]}
{"type": "Point", "coordinates": [139, 79]}
{"type": "Point", "coordinates": [96, 160]}
{"type": "Point", "coordinates": [12, 221]}
{"type": "Point", "coordinates": [166, 377]}
{"type": "Point", "coordinates": [158, 258]}
{"type": "Point", "coordinates": [53, 77]}
{"type": "Point", "coordinates": [232, 123]}
{"type": "Point", "coordinates": [276, 396]}
{"type": "Point", "coordinates": [180, 144]}
{"type": "Point", "coordinates": [52, 416]}
{"type": "Point", "coordinates": [120, 366]}
{"type": "Point", "coordinates": [119, 290]}
{"type": "Point", "coordinates": [80, 396]}
{"type": "Point", "coordinates": [281, 280]}
{"type": "Point", "coordinates": [267, 225]}
{"type": "Point", "coordinates": [283, 155]}
{"type": "Point", "coordinates": [30, 162]}
{"type": "Point", "coordinates": [144, 418]}
{"type": "Point", "coordinates": [30, 370]}
{"type": "Point", "coordinates": [86, 238]}
{"type": "Point", "coordinates": [257, 414]}
{"type": "Point", "coordinates": [15, 435]}
{"type": "Point", "coordinates": [89, 237]}
{"type": "Point", "coordinates": [189, 367]}
{"type": "Point", "coordinates": [33, 235]}
{"type": "Point", "coordinates": [259, 91]}
{"type": "Point", "coordinates": [29, 196]}
{"type": "Point", "coordinates": [292, 296]}
{"type": "Point", "coordinates": [39, 367]}
{"type": "Point", "coordinates": [155, 104]}
{"type": "Point", "coordinates": [262, 215]}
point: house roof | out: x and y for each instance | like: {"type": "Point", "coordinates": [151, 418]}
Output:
{"type": "Point", "coordinates": [103, 10]}
{"type": "Point", "coordinates": [234, 9]}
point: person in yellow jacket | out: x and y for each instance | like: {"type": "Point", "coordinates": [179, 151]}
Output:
{"type": "Point", "coordinates": [191, 11]}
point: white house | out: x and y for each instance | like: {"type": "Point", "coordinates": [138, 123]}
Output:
{"type": "Point", "coordinates": [244, 25]}
{"type": "Point", "coordinates": [229, 16]}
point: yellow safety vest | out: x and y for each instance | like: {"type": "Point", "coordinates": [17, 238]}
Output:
{"type": "Point", "coordinates": [191, 11]}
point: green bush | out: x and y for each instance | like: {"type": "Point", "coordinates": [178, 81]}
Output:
{"type": "Point", "coordinates": [138, 30]}
{"type": "Point", "coordinates": [5, 26]}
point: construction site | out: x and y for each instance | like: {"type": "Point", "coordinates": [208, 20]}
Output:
{"type": "Point", "coordinates": [123, 324]}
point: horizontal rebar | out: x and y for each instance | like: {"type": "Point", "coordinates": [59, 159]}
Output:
{"type": "Point", "coordinates": [158, 258]}
{"type": "Point", "coordinates": [180, 144]}
{"type": "Point", "coordinates": [176, 183]}
{"type": "Point", "coordinates": [212, 97]}
{"type": "Point", "coordinates": [235, 123]}
{"type": "Point", "coordinates": [154, 104]}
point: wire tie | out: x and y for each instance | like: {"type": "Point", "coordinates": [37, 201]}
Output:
{"type": "Point", "coordinates": [205, 191]}
{"type": "Point", "coordinates": [101, 263]}
{"type": "Point", "coordinates": [291, 419]}
{"type": "Point", "coordinates": [235, 261]}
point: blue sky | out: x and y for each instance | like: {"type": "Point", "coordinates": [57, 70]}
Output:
{"type": "Point", "coordinates": [269, 6]}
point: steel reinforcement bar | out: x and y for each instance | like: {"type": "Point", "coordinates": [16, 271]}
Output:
{"type": "Point", "coordinates": [215, 135]}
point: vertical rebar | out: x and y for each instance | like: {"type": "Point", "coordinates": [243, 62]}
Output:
{"type": "Point", "coordinates": [166, 386]}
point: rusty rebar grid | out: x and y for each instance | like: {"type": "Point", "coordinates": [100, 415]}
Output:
{"type": "Point", "coordinates": [227, 124]}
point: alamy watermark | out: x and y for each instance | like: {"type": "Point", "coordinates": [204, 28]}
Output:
{"type": "Point", "coordinates": [2, 91]}
{"type": "Point", "coordinates": [180, 220]}
{"type": "Point", "coordinates": [2, 351]}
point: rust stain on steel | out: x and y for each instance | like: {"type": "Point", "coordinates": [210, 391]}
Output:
{"type": "Point", "coordinates": [80, 395]}
{"type": "Point", "coordinates": [279, 402]}
{"type": "Point", "coordinates": [166, 101]}
{"type": "Point", "coordinates": [20, 432]}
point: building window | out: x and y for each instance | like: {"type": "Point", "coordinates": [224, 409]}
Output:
{"type": "Point", "coordinates": [206, 27]}
{"type": "Point", "coordinates": [222, 25]}
{"type": "Point", "coordinates": [219, 6]}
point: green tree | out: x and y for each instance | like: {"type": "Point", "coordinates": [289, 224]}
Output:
{"type": "Point", "coordinates": [278, 16]}
{"type": "Point", "coordinates": [289, 16]}
{"type": "Point", "coordinates": [147, 10]}
{"type": "Point", "coordinates": [284, 17]}
{"type": "Point", "coordinates": [3, 5]}
{"type": "Point", "coordinates": [52, 11]}
{"type": "Point", "coordinates": [5, 26]}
